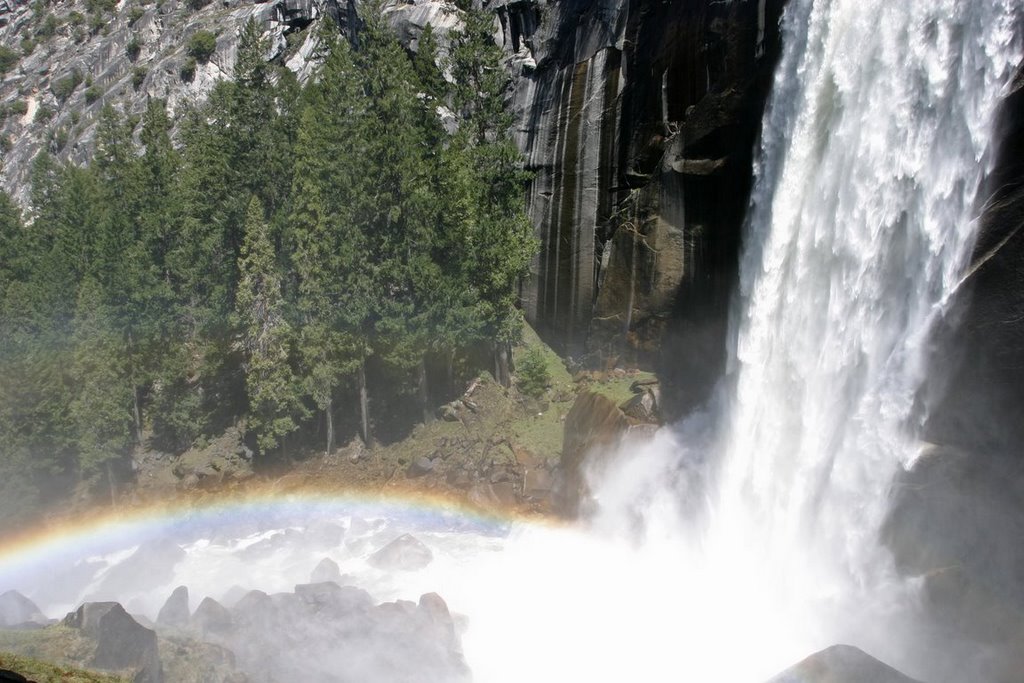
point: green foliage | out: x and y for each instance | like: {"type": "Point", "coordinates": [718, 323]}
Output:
{"type": "Point", "coordinates": [48, 26]}
{"type": "Point", "coordinates": [100, 6]}
{"type": "Point", "coordinates": [202, 45]}
{"type": "Point", "coordinates": [133, 48]}
{"type": "Point", "coordinates": [304, 248]}
{"type": "Point", "coordinates": [63, 87]}
{"type": "Point", "coordinates": [532, 374]}
{"type": "Point", "coordinates": [27, 46]}
{"type": "Point", "coordinates": [44, 113]}
{"type": "Point", "coordinates": [135, 13]}
{"type": "Point", "coordinates": [19, 107]}
{"type": "Point", "coordinates": [8, 58]}
{"type": "Point", "coordinates": [264, 334]}
{"type": "Point", "coordinates": [139, 74]}
{"type": "Point", "coordinates": [188, 70]}
{"type": "Point", "coordinates": [198, 4]}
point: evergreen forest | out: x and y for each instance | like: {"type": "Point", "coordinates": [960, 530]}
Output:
{"type": "Point", "coordinates": [308, 262]}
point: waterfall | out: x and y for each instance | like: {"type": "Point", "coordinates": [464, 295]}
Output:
{"type": "Point", "coordinates": [875, 143]}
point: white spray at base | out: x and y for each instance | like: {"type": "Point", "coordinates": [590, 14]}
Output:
{"type": "Point", "coordinates": [875, 143]}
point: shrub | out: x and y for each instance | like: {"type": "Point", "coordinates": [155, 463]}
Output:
{"type": "Point", "coordinates": [138, 76]}
{"type": "Point", "coordinates": [27, 46]}
{"type": "Point", "coordinates": [44, 113]}
{"type": "Point", "coordinates": [92, 93]}
{"type": "Point", "coordinates": [202, 45]}
{"type": "Point", "coordinates": [134, 14]}
{"type": "Point", "coordinates": [532, 375]}
{"type": "Point", "coordinates": [19, 107]}
{"type": "Point", "coordinates": [198, 4]}
{"type": "Point", "coordinates": [63, 87]}
{"type": "Point", "coordinates": [133, 48]}
{"type": "Point", "coordinates": [188, 70]}
{"type": "Point", "coordinates": [48, 26]}
{"type": "Point", "coordinates": [8, 58]}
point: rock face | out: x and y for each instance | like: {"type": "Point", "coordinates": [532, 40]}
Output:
{"type": "Point", "coordinates": [593, 428]}
{"type": "Point", "coordinates": [121, 642]}
{"type": "Point", "coordinates": [18, 611]}
{"type": "Point", "coordinates": [103, 70]}
{"type": "Point", "coordinates": [977, 373]}
{"type": "Point", "coordinates": [841, 664]}
{"type": "Point", "coordinates": [956, 522]}
{"type": "Point", "coordinates": [639, 121]}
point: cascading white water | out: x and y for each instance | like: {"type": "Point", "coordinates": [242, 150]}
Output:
{"type": "Point", "coordinates": [874, 146]}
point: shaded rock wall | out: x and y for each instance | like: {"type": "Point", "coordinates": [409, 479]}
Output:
{"type": "Point", "coordinates": [639, 120]}
{"type": "Point", "coordinates": [977, 401]}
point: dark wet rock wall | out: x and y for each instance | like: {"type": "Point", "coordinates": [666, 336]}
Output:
{"type": "Point", "coordinates": [639, 120]}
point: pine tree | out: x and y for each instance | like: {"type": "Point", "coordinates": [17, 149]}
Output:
{"type": "Point", "coordinates": [264, 335]}
{"type": "Point", "coordinates": [502, 237]}
{"type": "Point", "coordinates": [100, 410]}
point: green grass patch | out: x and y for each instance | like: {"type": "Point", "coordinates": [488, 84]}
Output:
{"type": "Point", "coordinates": [51, 655]}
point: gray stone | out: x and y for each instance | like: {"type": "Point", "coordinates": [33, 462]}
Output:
{"type": "Point", "coordinates": [122, 643]}
{"type": "Point", "coordinates": [841, 664]}
{"type": "Point", "coordinates": [405, 553]}
{"type": "Point", "coordinates": [17, 611]}
{"type": "Point", "coordinates": [326, 570]}
{"type": "Point", "coordinates": [419, 467]}
{"type": "Point", "coordinates": [175, 612]}
{"type": "Point", "coordinates": [212, 619]}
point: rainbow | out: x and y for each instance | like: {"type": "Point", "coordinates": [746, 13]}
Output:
{"type": "Point", "coordinates": [259, 508]}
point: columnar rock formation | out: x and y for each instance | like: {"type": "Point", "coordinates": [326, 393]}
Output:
{"type": "Point", "coordinates": [639, 121]}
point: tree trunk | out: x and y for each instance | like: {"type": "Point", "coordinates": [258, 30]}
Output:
{"type": "Point", "coordinates": [136, 409]}
{"type": "Point", "coordinates": [502, 373]}
{"type": "Point", "coordinates": [424, 391]}
{"type": "Point", "coordinates": [450, 372]}
{"type": "Point", "coordinates": [137, 412]}
{"type": "Point", "coordinates": [329, 414]}
{"type": "Point", "coordinates": [364, 405]}
{"type": "Point", "coordinates": [110, 482]}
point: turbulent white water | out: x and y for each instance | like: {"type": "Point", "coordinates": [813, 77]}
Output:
{"type": "Point", "coordinates": [746, 537]}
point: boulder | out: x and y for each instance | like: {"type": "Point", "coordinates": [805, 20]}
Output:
{"type": "Point", "coordinates": [326, 570]}
{"type": "Point", "coordinates": [419, 467]}
{"type": "Point", "coordinates": [87, 617]}
{"type": "Point", "coordinates": [405, 553]}
{"type": "Point", "coordinates": [496, 495]}
{"type": "Point", "coordinates": [328, 598]}
{"type": "Point", "coordinates": [644, 405]}
{"type": "Point", "coordinates": [121, 642]}
{"type": "Point", "coordinates": [175, 612]}
{"type": "Point", "coordinates": [18, 611]}
{"type": "Point", "coordinates": [212, 619]}
{"type": "Point", "coordinates": [593, 428]}
{"type": "Point", "coordinates": [841, 664]}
